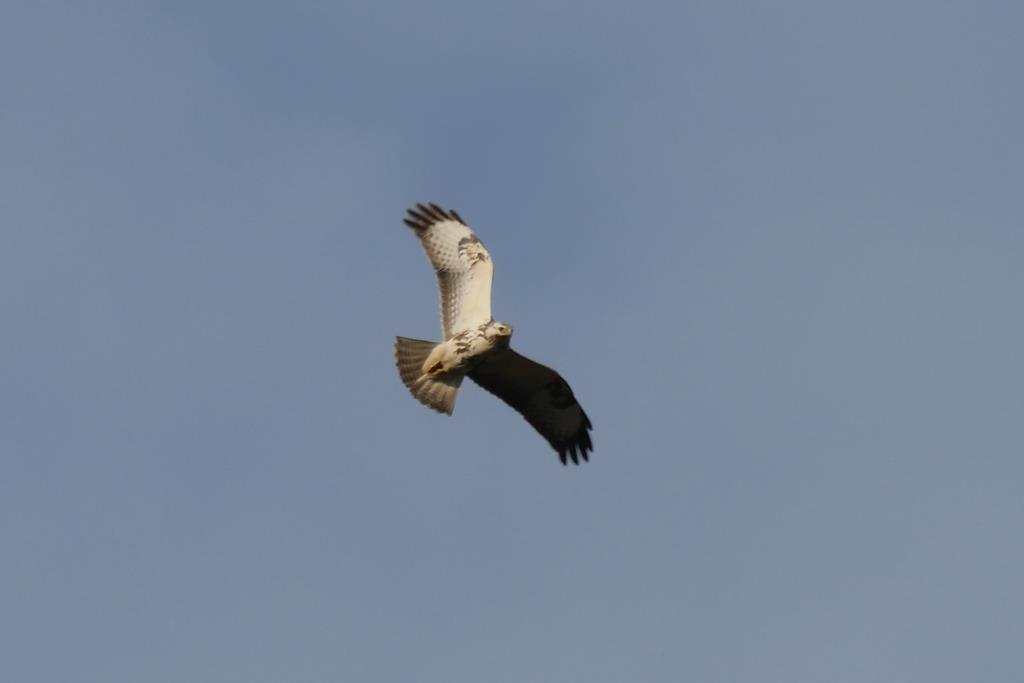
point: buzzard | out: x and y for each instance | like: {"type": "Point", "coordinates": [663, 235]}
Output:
{"type": "Point", "coordinates": [477, 346]}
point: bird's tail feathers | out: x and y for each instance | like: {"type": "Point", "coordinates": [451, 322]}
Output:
{"type": "Point", "coordinates": [434, 392]}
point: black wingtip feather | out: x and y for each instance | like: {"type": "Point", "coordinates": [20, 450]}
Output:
{"type": "Point", "coordinates": [577, 446]}
{"type": "Point", "coordinates": [421, 219]}
{"type": "Point", "coordinates": [433, 211]}
{"type": "Point", "coordinates": [575, 449]}
{"type": "Point", "coordinates": [425, 215]}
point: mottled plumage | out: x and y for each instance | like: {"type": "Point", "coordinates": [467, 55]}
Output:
{"type": "Point", "coordinates": [478, 346]}
{"type": "Point", "coordinates": [463, 266]}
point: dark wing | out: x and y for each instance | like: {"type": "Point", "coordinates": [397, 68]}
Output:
{"type": "Point", "coordinates": [541, 396]}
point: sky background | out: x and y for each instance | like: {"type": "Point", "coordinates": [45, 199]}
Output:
{"type": "Point", "coordinates": [776, 248]}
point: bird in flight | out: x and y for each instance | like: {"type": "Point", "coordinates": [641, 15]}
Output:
{"type": "Point", "coordinates": [476, 345]}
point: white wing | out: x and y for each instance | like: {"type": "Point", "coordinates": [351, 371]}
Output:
{"type": "Point", "coordinates": [464, 268]}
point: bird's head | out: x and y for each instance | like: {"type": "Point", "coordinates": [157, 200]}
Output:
{"type": "Point", "coordinates": [499, 332]}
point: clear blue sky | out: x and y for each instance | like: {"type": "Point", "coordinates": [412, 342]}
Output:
{"type": "Point", "coordinates": [776, 248]}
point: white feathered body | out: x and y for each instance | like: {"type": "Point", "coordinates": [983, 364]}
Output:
{"type": "Point", "coordinates": [463, 351]}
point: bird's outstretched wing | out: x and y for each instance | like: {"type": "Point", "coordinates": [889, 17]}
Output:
{"type": "Point", "coordinates": [464, 268]}
{"type": "Point", "coordinates": [541, 396]}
